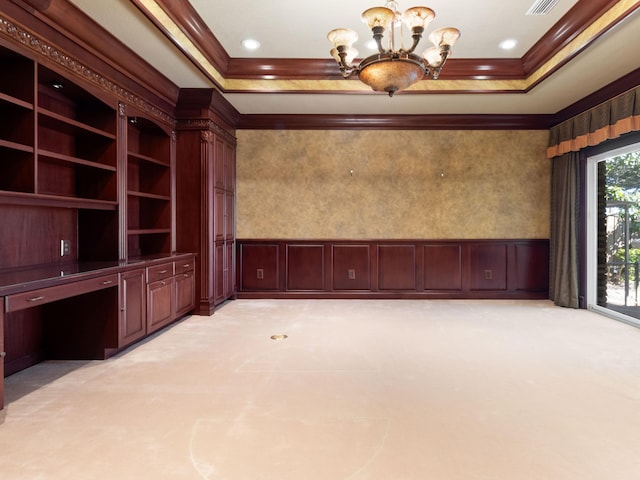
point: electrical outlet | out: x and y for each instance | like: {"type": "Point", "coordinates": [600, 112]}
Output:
{"type": "Point", "coordinates": [65, 248]}
{"type": "Point", "coordinates": [351, 273]}
{"type": "Point", "coordinates": [488, 274]}
{"type": "Point", "coordinates": [260, 274]}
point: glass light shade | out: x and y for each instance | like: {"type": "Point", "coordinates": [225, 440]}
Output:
{"type": "Point", "coordinates": [418, 17]}
{"type": "Point", "coordinates": [342, 37]}
{"type": "Point", "coordinates": [352, 53]}
{"type": "Point", "coordinates": [444, 36]}
{"type": "Point", "coordinates": [391, 76]}
{"type": "Point", "coordinates": [378, 17]}
{"type": "Point", "coordinates": [432, 56]}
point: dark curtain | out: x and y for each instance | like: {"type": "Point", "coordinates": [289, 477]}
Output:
{"type": "Point", "coordinates": [565, 191]}
{"type": "Point", "coordinates": [567, 141]}
{"type": "Point", "coordinates": [607, 121]}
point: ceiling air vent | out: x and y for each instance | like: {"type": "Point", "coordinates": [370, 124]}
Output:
{"type": "Point", "coordinates": [541, 7]}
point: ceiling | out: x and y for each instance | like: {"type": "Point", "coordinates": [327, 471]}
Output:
{"type": "Point", "coordinates": [554, 64]}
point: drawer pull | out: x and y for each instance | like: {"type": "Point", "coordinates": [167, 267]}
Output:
{"type": "Point", "coordinates": [162, 271]}
{"type": "Point", "coordinates": [163, 283]}
{"type": "Point", "coordinates": [186, 265]}
{"type": "Point", "coordinates": [107, 282]}
{"type": "Point", "coordinates": [186, 275]}
{"type": "Point", "coordinates": [35, 299]}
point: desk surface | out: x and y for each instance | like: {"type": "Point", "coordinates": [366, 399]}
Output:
{"type": "Point", "coordinates": [18, 280]}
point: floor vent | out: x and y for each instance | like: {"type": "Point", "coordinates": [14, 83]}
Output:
{"type": "Point", "coordinates": [541, 7]}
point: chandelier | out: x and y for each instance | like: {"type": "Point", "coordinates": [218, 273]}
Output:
{"type": "Point", "coordinates": [396, 67]}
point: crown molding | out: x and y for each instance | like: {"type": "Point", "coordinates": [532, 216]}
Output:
{"type": "Point", "coordinates": [395, 122]}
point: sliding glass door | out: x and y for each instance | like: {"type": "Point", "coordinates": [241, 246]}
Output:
{"type": "Point", "coordinates": [613, 236]}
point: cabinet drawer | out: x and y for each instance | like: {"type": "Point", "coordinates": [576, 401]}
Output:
{"type": "Point", "coordinates": [159, 272]}
{"type": "Point", "coordinates": [184, 266]}
{"type": "Point", "coordinates": [20, 301]}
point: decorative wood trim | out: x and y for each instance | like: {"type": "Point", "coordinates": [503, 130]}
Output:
{"type": "Point", "coordinates": [575, 21]}
{"type": "Point", "coordinates": [396, 122]}
{"type": "Point", "coordinates": [191, 24]}
{"type": "Point", "coordinates": [24, 38]}
{"type": "Point", "coordinates": [40, 5]}
{"type": "Point", "coordinates": [119, 59]}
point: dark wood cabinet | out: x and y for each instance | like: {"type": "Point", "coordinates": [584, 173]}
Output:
{"type": "Point", "coordinates": [159, 304]}
{"type": "Point", "coordinates": [205, 195]}
{"type": "Point", "coordinates": [184, 293]}
{"type": "Point", "coordinates": [133, 307]}
{"type": "Point", "coordinates": [170, 292]}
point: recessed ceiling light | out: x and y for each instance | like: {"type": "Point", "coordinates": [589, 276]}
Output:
{"type": "Point", "coordinates": [508, 44]}
{"type": "Point", "coordinates": [250, 44]}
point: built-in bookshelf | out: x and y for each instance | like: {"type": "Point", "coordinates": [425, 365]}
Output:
{"type": "Point", "coordinates": [149, 218]}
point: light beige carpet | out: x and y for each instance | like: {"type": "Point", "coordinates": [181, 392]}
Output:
{"type": "Point", "coordinates": [360, 390]}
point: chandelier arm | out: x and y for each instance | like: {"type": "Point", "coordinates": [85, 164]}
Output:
{"type": "Point", "coordinates": [417, 36]}
{"type": "Point", "coordinates": [378, 36]}
{"type": "Point", "coordinates": [445, 51]}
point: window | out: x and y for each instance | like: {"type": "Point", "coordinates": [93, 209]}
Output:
{"type": "Point", "coordinates": [613, 233]}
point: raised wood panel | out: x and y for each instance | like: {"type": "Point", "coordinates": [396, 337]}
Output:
{"type": "Point", "coordinates": [305, 267]}
{"type": "Point", "coordinates": [229, 216]}
{"type": "Point", "coordinates": [229, 270]}
{"type": "Point", "coordinates": [442, 267]}
{"type": "Point", "coordinates": [43, 227]}
{"type": "Point", "coordinates": [159, 304]}
{"type": "Point", "coordinates": [219, 146]}
{"type": "Point", "coordinates": [259, 267]}
{"type": "Point", "coordinates": [532, 267]}
{"type": "Point", "coordinates": [219, 217]}
{"type": "Point", "coordinates": [397, 267]}
{"type": "Point", "coordinates": [488, 267]}
{"type": "Point", "coordinates": [184, 293]}
{"type": "Point", "coordinates": [219, 272]}
{"type": "Point", "coordinates": [351, 267]}
{"type": "Point", "coordinates": [133, 307]}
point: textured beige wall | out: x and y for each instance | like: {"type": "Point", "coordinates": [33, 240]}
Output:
{"type": "Point", "coordinates": [392, 184]}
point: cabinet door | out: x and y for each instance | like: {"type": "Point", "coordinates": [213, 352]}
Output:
{"type": "Point", "coordinates": [220, 215]}
{"type": "Point", "coordinates": [229, 216]}
{"type": "Point", "coordinates": [219, 273]}
{"type": "Point", "coordinates": [159, 304]}
{"type": "Point", "coordinates": [229, 271]}
{"type": "Point", "coordinates": [185, 299]}
{"type": "Point", "coordinates": [133, 308]}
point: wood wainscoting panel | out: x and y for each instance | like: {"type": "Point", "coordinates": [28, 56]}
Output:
{"type": "Point", "coordinates": [351, 267]}
{"type": "Point", "coordinates": [488, 266]}
{"type": "Point", "coordinates": [390, 268]}
{"type": "Point", "coordinates": [259, 267]}
{"type": "Point", "coordinates": [532, 267]}
{"type": "Point", "coordinates": [443, 267]}
{"type": "Point", "coordinates": [397, 267]}
{"type": "Point", "coordinates": [305, 267]}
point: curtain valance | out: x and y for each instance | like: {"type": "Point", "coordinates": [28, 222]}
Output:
{"type": "Point", "coordinates": [608, 120]}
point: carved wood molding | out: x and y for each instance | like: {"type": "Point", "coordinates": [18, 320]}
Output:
{"type": "Point", "coordinates": [206, 125]}
{"type": "Point", "coordinates": [44, 50]}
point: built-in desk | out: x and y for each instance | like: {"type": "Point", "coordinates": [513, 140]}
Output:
{"type": "Point", "coordinates": [88, 310]}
